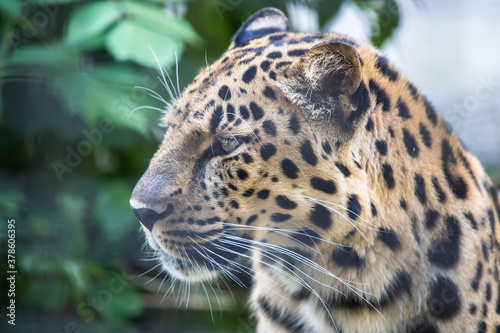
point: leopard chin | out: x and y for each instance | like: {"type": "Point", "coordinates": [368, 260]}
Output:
{"type": "Point", "coordinates": [182, 268]}
{"type": "Point", "coordinates": [195, 262]}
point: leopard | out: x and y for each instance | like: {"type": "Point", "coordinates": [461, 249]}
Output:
{"type": "Point", "coordinates": [312, 164]}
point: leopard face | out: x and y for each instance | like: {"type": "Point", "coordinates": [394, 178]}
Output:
{"type": "Point", "coordinates": [313, 156]}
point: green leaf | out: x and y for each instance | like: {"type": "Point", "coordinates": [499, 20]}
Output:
{"type": "Point", "coordinates": [55, 55]}
{"type": "Point", "coordinates": [129, 41]}
{"type": "Point", "coordinates": [327, 10]}
{"type": "Point", "coordinates": [157, 20]}
{"type": "Point", "coordinates": [91, 20]}
{"type": "Point", "coordinates": [48, 2]}
{"type": "Point", "coordinates": [11, 198]}
{"type": "Point", "coordinates": [49, 293]}
{"type": "Point", "coordinates": [11, 7]}
{"type": "Point", "coordinates": [94, 97]}
{"type": "Point", "coordinates": [113, 211]}
{"type": "Point", "coordinates": [114, 297]}
{"type": "Point", "coordinates": [387, 22]}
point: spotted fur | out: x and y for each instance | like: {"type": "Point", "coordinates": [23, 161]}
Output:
{"type": "Point", "coordinates": [314, 156]}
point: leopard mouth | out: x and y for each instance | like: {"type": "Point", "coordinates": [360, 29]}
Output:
{"type": "Point", "coordinates": [196, 262]}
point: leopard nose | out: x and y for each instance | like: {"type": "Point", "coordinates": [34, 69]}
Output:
{"type": "Point", "coordinates": [149, 217]}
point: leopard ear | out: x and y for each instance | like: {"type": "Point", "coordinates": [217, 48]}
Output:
{"type": "Point", "coordinates": [327, 82]}
{"type": "Point", "coordinates": [264, 22]}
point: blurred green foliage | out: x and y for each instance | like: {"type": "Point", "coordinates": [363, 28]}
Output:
{"type": "Point", "coordinates": [71, 149]}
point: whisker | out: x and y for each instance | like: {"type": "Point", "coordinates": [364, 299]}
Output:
{"type": "Point", "coordinates": [351, 221]}
{"type": "Point", "coordinates": [154, 277]}
{"type": "Point", "coordinates": [149, 270]}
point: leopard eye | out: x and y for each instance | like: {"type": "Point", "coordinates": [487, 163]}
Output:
{"type": "Point", "coordinates": [229, 144]}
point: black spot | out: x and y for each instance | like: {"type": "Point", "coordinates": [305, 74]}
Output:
{"type": "Point", "coordinates": [361, 100]}
{"type": "Point", "coordinates": [381, 95]}
{"type": "Point", "coordinates": [269, 93]}
{"type": "Point", "coordinates": [265, 65]}
{"type": "Point", "coordinates": [404, 113]}
{"type": "Point", "coordinates": [248, 193]}
{"type": "Point", "coordinates": [487, 293]}
{"type": "Point", "coordinates": [347, 257]}
{"type": "Point", "coordinates": [388, 176]}
{"type": "Point", "coordinates": [444, 300]}
{"type": "Point", "coordinates": [353, 207]}
{"type": "Point", "coordinates": [285, 203]}
{"type": "Point", "coordinates": [426, 136]}
{"type": "Point", "coordinates": [278, 217]}
{"type": "Point", "coordinates": [282, 64]}
{"type": "Point", "coordinates": [423, 328]}
{"type": "Point", "coordinates": [477, 278]}
{"type": "Point", "coordinates": [481, 327]}
{"type": "Point", "coordinates": [491, 218]}
{"type": "Point", "coordinates": [485, 310]}
{"type": "Point", "coordinates": [274, 55]}
{"type": "Point", "coordinates": [431, 113]}
{"type": "Point", "coordinates": [369, 125]}
{"type": "Point", "coordinates": [383, 65]}
{"type": "Point", "coordinates": [263, 194]}
{"type": "Point", "coordinates": [306, 150]}
{"type": "Point", "coordinates": [430, 219]}
{"type": "Point", "coordinates": [306, 236]}
{"type": "Point", "coordinates": [297, 52]}
{"type": "Point", "coordinates": [410, 143]}
{"type": "Point", "coordinates": [269, 127]}
{"type": "Point", "coordinates": [388, 236]}
{"type": "Point", "coordinates": [327, 148]}
{"type": "Point", "coordinates": [497, 308]}
{"type": "Point", "coordinates": [294, 124]}
{"type": "Point", "coordinates": [381, 146]}
{"type": "Point", "coordinates": [225, 93]}
{"type": "Point", "coordinates": [413, 90]}
{"type": "Point", "coordinates": [345, 171]}
{"type": "Point", "coordinates": [415, 228]}
{"type": "Point", "coordinates": [420, 189]}
{"type": "Point", "coordinates": [247, 158]}
{"type": "Point", "coordinates": [439, 192]}
{"type": "Point", "coordinates": [486, 253]}
{"type": "Point", "coordinates": [391, 132]}
{"type": "Point", "coordinates": [320, 216]}
{"type": "Point", "coordinates": [456, 183]}
{"type": "Point", "coordinates": [242, 174]}
{"type": "Point", "coordinates": [249, 74]}
{"type": "Point", "coordinates": [323, 185]}
{"type": "Point", "coordinates": [471, 219]}
{"type": "Point", "coordinates": [374, 209]}
{"type": "Point", "coordinates": [279, 317]}
{"type": "Point", "coordinates": [289, 169]}
{"type": "Point", "coordinates": [472, 309]}
{"type": "Point", "coordinates": [234, 204]}
{"type": "Point", "coordinates": [401, 284]}
{"type": "Point", "coordinates": [267, 150]}
{"type": "Point", "coordinates": [272, 75]}
{"type": "Point", "coordinates": [230, 112]}
{"type": "Point", "coordinates": [277, 36]}
{"type": "Point", "coordinates": [216, 119]}
{"type": "Point", "coordinates": [301, 295]}
{"type": "Point", "coordinates": [256, 110]}
{"type": "Point", "coordinates": [251, 219]}
{"type": "Point", "coordinates": [244, 112]}
{"type": "Point", "coordinates": [445, 251]}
